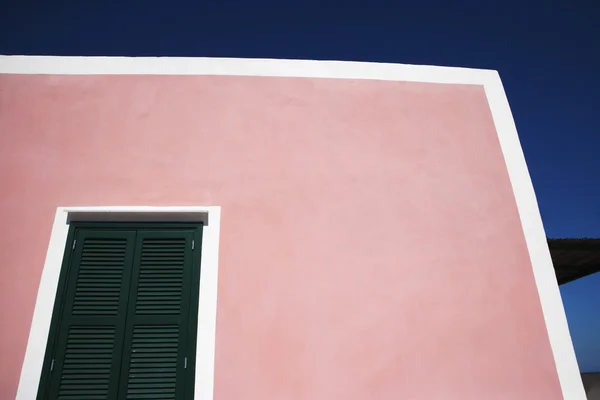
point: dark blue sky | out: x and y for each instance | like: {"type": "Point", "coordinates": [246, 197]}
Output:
{"type": "Point", "coordinates": [547, 53]}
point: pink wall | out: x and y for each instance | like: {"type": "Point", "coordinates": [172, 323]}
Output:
{"type": "Point", "coordinates": [370, 241]}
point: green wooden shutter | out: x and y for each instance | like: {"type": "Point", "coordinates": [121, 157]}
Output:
{"type": "Point", "coordinates": [86, 358]}
{"type": "Point", "coordinates": [156, 356]}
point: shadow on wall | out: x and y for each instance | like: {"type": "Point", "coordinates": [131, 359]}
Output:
{"type": "Point", "coordinates": [591, 383]}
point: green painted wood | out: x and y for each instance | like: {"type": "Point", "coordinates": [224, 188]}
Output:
{"type": "Point", "coordinates": [125, 318]}
{"type": "Point", "coordinates": [56, 314]}
{"type": "Point", "coordinates": [92, 324]}
{"type": "Point", "coordinates": [157, 333]}
{"type": "Point", "coordinates": [193, 322]}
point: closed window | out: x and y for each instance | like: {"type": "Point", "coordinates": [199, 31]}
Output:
{"type": "Point", "coordinates": [125, 316]}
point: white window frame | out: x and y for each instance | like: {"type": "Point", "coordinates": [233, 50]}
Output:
{"type": "Point", "coordinates": [207, 307]}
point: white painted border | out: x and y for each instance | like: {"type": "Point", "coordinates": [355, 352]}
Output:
{"type": "Point", "coordinates": [535, 237]}
{"type": "Point", "coordinates": [207, 307]}
{"type": "Point", "coordinates": [236, 66]}
{"type": "Point", "coordinates": [554, 314]}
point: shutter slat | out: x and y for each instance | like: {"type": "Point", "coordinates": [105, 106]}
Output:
{"type": "Point", "coordinates": [125, 319]}
{"type": "Point", "coordinates": [90, 302]}
{"type": "Point", "coordinates": [154, 365]}
{"type": "Point", "coordinates": [90, 338]}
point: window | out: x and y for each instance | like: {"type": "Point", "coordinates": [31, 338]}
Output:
{"type": "Point", "coordinates": [126, 312]}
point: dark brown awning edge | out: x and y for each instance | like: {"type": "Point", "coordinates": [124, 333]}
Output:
{"type": "Point", "coordinates": [574, 258]}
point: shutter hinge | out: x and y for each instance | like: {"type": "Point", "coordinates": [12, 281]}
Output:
{"type": "Point", "coordinates": [193, 244]}
{"type": "Point", "coordinates": [74, 243]}
{"type": "Point", "coordinates": [52, 365]}
{"type": "Point", "coordinates": [185, 363]}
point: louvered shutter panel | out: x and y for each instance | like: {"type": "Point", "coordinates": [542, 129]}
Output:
{"type": "Point", "coordinates": [90, 333]}
{"type": "Point", "coordinates": [157, 332]}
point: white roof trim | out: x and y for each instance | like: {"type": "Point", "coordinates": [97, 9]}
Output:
{"type": "Point", "coordinates": [242, 67]}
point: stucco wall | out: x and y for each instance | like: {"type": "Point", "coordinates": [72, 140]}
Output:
{"type": "Point", "coordinates": [370, 242]}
